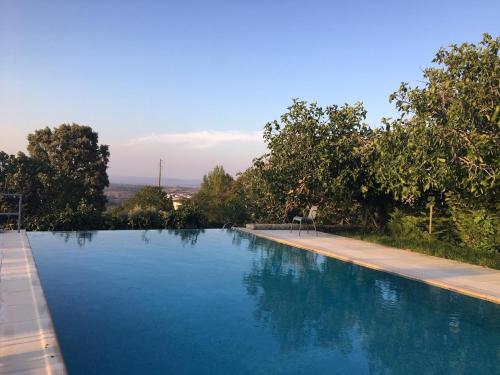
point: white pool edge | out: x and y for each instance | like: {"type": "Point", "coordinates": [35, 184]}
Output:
{"type": "Point", "coordinates": [28, 341]}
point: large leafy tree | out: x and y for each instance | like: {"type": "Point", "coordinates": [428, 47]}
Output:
{"type": "Point", "coordinates": [446, 138]}
{"type": "Point", "coordinates": [62, 180]}
{"type": "Point", "coordinates": [317, 156]}
{"type": "Point", "coordinates": [77, 161]}
{"type": "Point", "coordinates": [255, 198]}
{"type": "Point", "coordinates": [214, 191]}
{"type": "Point", "coordinates": [29, 177]}
{"type": "Point", "coordinates": [220, 199]}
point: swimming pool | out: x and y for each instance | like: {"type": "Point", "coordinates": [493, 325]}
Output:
{"type": "Point", "coordinates": [224, 302]}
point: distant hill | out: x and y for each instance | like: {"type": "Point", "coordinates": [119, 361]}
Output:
{"type": "Point", "coordinates": [134, 180]}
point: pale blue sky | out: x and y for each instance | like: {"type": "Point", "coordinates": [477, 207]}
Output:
{"type": "Point", "coordinates": [176, 69]}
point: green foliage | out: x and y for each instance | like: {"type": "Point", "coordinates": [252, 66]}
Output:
{"type": "Point", "coordinates": [188, 216]}
{"type": "Point", "coordinates": [77, 164]}
{"type": "Point", "coordinates": [446, 139]}
{"type": "Point", "coordinates": [411, 227]}
{"type": "Point", "coordinates": [116, 219]}
{"type": "Point", "coordinates": [150, 197]}
{"type": "Point", "coordinates": [317, 156]}
{"type": "Point", "coordinates": [146, 218]}
{"type": "Point", "coordinates": [152, 208]}
{"type": "Point", "coordinates": [477, 229]}
{"type": "Point", "coordinates": [216, 183]}
{"type": "Point", "coordinates": [84, 217]}
{"type": "Point", "coordinates": [149, 208]}
{"type": "Point", "coordinates": [219, 199]}
{"type": "Point", "coordinates": [22, 174]}
{"type": "Point", "coordinates": [62, 180]}
{"type": "Point", "coordinates": [260, 203]}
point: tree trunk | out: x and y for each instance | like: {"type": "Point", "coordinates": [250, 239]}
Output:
{"type": "Point", "coordinates": [430, 221]}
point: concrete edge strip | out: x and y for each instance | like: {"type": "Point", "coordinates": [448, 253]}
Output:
{"type": "Point", "coordinates": [54, 362]}
{"type": "Point", "coordinates": [438, 284]}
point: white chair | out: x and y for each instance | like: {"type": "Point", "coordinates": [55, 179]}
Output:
{"type": "Point", "coordinates": [306, 219]}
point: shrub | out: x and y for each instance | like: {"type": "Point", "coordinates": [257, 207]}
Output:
{"type": "Point", "coordinates": [477, 228]}
{"type": "Point", "coordinates": [407, 226]}
{"type": "Point", "coordinates": [116, 219]}
{"type": "Point", "coordinates": [146, 218]}
{"type": "Point", "coordinates": [188, 216]}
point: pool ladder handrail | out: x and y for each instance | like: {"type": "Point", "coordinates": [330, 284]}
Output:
{"type": "Point", "coordinates": [19, 208]}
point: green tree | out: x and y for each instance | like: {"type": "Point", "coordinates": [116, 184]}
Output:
{"type": "Point", "coordinates": [62, 180]}
{"type": "Point", "coordinates": [446, 138]}
{"type": "Point", "coordinates": [188, 216]}
{"type": "Point", "coordinates": [151, 197]}
{"type": "Point", "coordinates": [22, 174]}
{"type": "Point", "coordinates": [78, 164]}
{"type": "Point", "coordinates": [317, 156]}
{"type": "Point", "coordinates": [214, 199]}
{"type": "Point", "coordinates": [149, 208]}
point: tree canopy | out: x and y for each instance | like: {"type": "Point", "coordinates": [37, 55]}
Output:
{"type": "Point", "coordinates": [150, 197]}
{"type": "Point", "coordinates": [62, 180]}
{"type": "Point", "coordinates": [218, 200]}
{"type": "Point", "coordinates": [317, 156]}
{"type": "Point", "coordinates": [446, 138]}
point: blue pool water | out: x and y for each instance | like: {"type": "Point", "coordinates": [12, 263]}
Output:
{"type": "Point", "coordinates": [221, 302]}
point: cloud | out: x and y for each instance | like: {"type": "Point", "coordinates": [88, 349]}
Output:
{"type": "Point", "coordinates": [200, 139]}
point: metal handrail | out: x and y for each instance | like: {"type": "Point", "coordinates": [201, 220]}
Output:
{"type": "Point", "coordinates": [19, 209]}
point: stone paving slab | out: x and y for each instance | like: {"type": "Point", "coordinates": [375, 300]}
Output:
{"type": "Point", "coordinates": [28, 343]}
{"type": "Point", "coordinates": [472, 280]}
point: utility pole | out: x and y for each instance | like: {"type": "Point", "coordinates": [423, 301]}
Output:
{"type": "Point", "coordinates": [159, 175]}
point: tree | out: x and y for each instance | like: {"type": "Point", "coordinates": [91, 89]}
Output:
{"type": "Point", "coordinates": [21, 174]}
{"type": "Point", "coordinates": [317, 156]}
{"type": "Point", "coordinates": [149, 208]}
{"type": "Point", "coordinates": [214, 197]}
{"type": "Point", "coordinates": [78, 164]}
{"type": "Point", "coordinates": [446, 138]}
{"type": "Point", "coordinates": [151, 197]}
{"type": "Point", "coordinates": [262, 203]}
{"type": "Point", "coordinates": [188, 216]}
{"type": "Point", "coordinates": [62, 180]}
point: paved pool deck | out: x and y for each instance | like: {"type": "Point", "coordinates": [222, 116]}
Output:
{"type": "Point", "coordinates": [28, 343]}
{"type": "Point", "coordinates": [475, 281]}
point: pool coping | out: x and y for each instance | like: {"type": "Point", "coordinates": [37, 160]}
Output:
{"type": "Point", "coordinates": [343, 248]}
{"type": "Point", "coordinates": [28, 341]}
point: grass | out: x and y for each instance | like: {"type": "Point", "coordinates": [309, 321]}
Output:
{"type": "Point", "coordinates": [432, 247]}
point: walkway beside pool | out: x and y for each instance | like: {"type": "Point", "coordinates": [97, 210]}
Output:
{"type": "Point", "coordinates": [475, 281]}
{"type": "Point", "coordinates": [28, 343]}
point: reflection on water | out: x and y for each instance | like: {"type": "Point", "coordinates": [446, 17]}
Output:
{"type": "Point", "coordinates": [81, 238]}
{"type": "Point", "coordinates": [187, 237]}
{"type": "Point", "coordinates": [308, 300]}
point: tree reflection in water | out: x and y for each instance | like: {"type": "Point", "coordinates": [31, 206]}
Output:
{"type": "Point", "coordinates": [186, 236]}
{"type": "Point", "coordinates": [402, 326]}
{"type": "Point", "coordinates": [81, 237]}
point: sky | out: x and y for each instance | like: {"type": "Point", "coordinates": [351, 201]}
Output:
{"type": "Point", "coordinates": [194, 82]}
